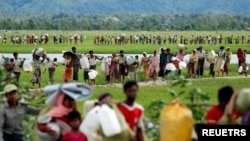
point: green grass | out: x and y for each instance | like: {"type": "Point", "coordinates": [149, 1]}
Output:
{"type": "Point", "coordinates": [108, 49]}
{"type": "Point", "coordinates": [147, 94]}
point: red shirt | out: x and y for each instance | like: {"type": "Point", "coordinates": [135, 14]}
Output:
{"type": "Point", "coordinates": [133, 115]}
{"type": "Point", "coordinates": [71, 136]}
{"type": "Point", "coordinates": [214, 114]}
{"type": "Point", "coordinates": [176, 64]}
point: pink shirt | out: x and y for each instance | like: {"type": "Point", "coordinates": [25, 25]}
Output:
{"type": "Point", "coordinates": [71, 136]}
{"type": "Point", "coordinates": [155, 62]}
{"type": "Point", "coordinates": [180, 56]}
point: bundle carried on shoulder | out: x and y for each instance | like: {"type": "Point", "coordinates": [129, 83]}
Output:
{"type": "Point", "coordinates": [84, 62]}
{"type": "Point", "coordinates": [131, 61]}
{"type": "Point", "coordinates": [173, 117]}
{"type": "Point", "coordinates": [210, 56]}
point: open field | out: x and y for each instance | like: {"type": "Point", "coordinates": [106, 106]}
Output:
{"type": "Point", "coordinates": [128, 48]}
{"type": "Point", "coordinates": [149, 93]}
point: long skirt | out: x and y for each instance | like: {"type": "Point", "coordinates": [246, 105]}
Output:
{"type": "Point", "coordinates": [36, 78]}
{"type": "Point", "coordinates": [191, 68]}
{"type": "Point", "coordinates": [114, 73]}
{"type": "Point", "coordinates": [226, 66]}
{"type": "Point", "coordinates": [67, 75]}
{"type": "Point", "coordinates": [146, 70]}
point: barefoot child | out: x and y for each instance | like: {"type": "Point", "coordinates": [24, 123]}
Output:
{"type": "Point", "coordinates": [244, 67]}
{"type": "Point", "coordinates": [74, 118]}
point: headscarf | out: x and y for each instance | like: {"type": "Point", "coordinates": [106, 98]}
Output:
{"type": "Point", "coordinates": [240, 53]}
{"type": "Point", "coordinates": [60, 110]}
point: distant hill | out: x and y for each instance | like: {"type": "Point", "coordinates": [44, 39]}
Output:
{"type": "Point", "coordinates": [123, 6]}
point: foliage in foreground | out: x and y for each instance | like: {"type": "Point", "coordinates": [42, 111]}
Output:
{"type": "Point", "coordinates": [197, 105]}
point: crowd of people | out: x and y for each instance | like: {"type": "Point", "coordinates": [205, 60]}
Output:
{"type": "Point", "coordinates": [131, 39]}
{"type": "Point", "coordinates": [118, 67]}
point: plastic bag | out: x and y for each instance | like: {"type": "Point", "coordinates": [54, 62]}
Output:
{"type": "Point", "coordinates": [84, 62]}
{"type": "Point", "coordinates": [27, 67]}
{"type": "Point", "coordinates": [172, 118]}
{"type": "Point", "coordinates": [240, 69]}
{"type": "Point", "coordinates": [92, 74]}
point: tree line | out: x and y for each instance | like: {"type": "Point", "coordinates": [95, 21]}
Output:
{"type": "Point", "coordinates": [122, 21]}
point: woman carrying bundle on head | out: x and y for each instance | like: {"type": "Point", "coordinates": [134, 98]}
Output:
{"type": "Point", "coordinates": [36, 78]}
{"type": "Point", "coordinates": [53, 123]}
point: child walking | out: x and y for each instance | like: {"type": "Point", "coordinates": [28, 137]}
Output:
{"type": "Point", "coordinates": [75, 134]}
{"type": "Point", "coordinates": [244, 67]}
{"type": "Point", "coordinates": [51, 66]}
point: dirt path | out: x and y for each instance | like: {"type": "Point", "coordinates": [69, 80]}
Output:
{"type": "Point", "coordinates": [157, 83]}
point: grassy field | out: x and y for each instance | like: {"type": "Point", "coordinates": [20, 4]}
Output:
{"type": "Point", "coordinates": [128, 48]}
{"type": "Point", "coordinates": [149, 93]}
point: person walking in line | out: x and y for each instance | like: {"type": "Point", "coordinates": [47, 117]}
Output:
{"type": "Point", "coordinates": [145, 63]}
{"type": "Point", "coordinates": [122, 66]}
{"type": "Point", "coordinates": [201, 61]}
{"type": "Point", "coordinates": [192, 65]}
{"type": "Point", "coordinates": [240, 55]}
{"type": "Point", "coordinates": [227, 61]}
{"type": "Point", "coordinates": [76, 64]}
{"type": "Point", "coordinates": [17, 69]}
{"type": "Point", "coordinates": [68, 68]}
{"type": "Point", "coordinates": [36, 78]}
{"type": "Point", "coordinates": [92, 60]}
{"type": "Point", "coordinates": [163, 63]}
{"type": "Point", "coordinates": [51, 66]}
{"type": "Point", "coordinates": [154, 65]}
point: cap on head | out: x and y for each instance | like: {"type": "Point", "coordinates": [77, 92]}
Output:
{"type": "Point", "coordinates": [121, 51]}
{"type": "Point", "coordinates": [144, 53]}
{"type": "Point", "coordinates": [9, 88]}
